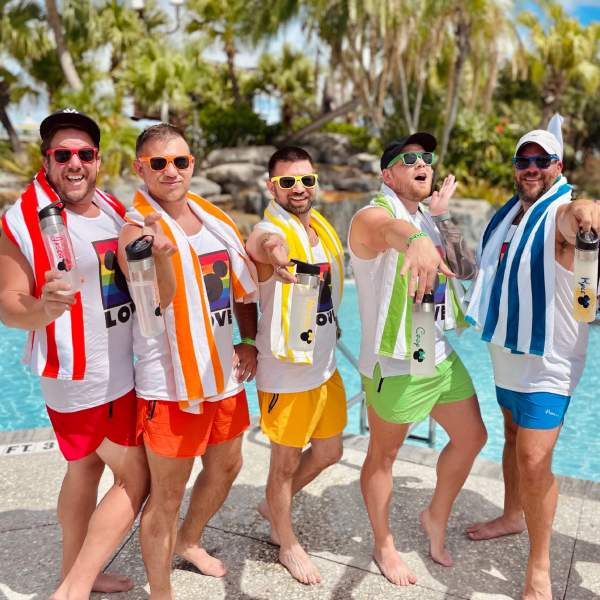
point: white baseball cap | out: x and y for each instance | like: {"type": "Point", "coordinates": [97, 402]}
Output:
{"type": "Point", "coordinates": [542, 138]}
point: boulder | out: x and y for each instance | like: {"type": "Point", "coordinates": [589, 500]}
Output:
{"type": "Point", "coordinates": [234, 173]}
{"type": "Point", "coordinates": [343, 177]}
{"type": "Point", "coordinates": [204, 187]}
{"type": "Point", "coordinates": [122, 188]}
{"type": "Point", "coordinates": [367, 163]}
{"type": "Point", "coordinates": [257, 155]}
{"type": "Point", "coordinates": [334, 148]}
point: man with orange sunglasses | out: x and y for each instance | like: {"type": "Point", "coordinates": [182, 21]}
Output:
{"type": "Point", "coordinates": [190, 378]}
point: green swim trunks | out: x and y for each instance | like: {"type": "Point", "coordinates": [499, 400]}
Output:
{"type": "Point", "coordinates": [409, 399]}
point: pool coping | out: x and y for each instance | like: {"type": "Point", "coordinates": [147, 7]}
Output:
{"type": "Point", "coordinates": [421, 455]}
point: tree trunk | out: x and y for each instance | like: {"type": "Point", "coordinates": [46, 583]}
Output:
{"type": "Point", "coordinates": [322, 119]}
{"type": "Point", "coordinates": [13, 137]}
{"type": "Point", "coordinates": [230, 53]}
{"type": "Point", "coordinates": [463, 48]}
{"type": "Point", "coordinates": [64, 56]}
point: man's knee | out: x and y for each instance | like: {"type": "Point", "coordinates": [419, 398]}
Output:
{"type": "Point", "coordinates": [329, 455]}
{"type": "Point", "coordinates": [534, 465]}
{"type": "Point", "coordinates": [284, 463]}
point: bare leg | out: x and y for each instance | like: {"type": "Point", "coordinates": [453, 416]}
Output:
{"type": "Point", "coordinates": [539, 494]}
{"type": "Point", "coordinates": [285, 463]}
{"type": "Point", "coordinates": [158, 528]}
{"type": "Point", "coordinates": [511, 520]}
{"type": "Point", "coordinates": [376, 485]}
{"type": "Point", "coordinates": [321, 453]}
{"type": "Point", "coordinates": [111, 519]}
{"type": "Point", "coordinates": [462, 422]}
{"type": "Point", "coordinates": [221, 463]}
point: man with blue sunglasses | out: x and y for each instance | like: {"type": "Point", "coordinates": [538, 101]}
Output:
{"type": "Point", "coordinates": [522, 300]}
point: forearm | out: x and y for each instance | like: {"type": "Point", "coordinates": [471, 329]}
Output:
{"type": "Point", "coordinates": [247, 318]}
{"type": "Point", "coordinates": [459, 256]}
{"type": "Point", "coordinates": [267, 247]}
{"type": "Point", "coordinates": [23, 311]}
{"type": "Point", "coordinates": [395, 234]}
{"type": "Point", "coordinates": [165, 278]}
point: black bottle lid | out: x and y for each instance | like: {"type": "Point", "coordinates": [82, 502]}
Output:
{"type": "Point", "coordinates": [303, 268]}
{"type": "Point", "coordinates": [428, 298]}
{"type": "Point", "coordinates": [52, 210]}
{"type": "Point", "coordinates": [586, 240]}
{"type": "Point", "coordinates": [140, 248]}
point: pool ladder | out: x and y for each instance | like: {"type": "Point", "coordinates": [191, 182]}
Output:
{"type": "Point", "coordinates": [429, 439]}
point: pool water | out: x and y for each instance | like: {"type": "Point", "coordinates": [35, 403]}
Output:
{"type": "Point", "coordinates": [577, 452]}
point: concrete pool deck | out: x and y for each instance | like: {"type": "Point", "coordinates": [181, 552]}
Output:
{"type": "Point", "coordinates": [331, 523]}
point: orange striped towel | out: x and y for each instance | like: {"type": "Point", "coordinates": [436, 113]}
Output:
{"type": "Point", "coordinates": [196, 361]}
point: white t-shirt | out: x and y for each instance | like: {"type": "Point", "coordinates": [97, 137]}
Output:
{"type": "Point", "coordinates": [277, 376]}
{"type": "Point", "coordinates": [154, 378]}
{"type": "Point", "coordinates": [560, 371]}
{"type": "Point", "coordinates": [107, 321]}
{"type": "Point", "coordinates": [368, 274]}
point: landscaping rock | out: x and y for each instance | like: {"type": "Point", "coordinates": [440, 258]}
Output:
{"type": "Point", "coordinates": [367, 163]}
{"type": "Point", "coordinates": [122, 188]}
{"type": "Point", "coordinates": [257, 155]}
{"type": "Point", "coordinates": [234, 173]}
{"type": "Point", "coordinates": [334, 148]}
{"type": "Point", "coordinates": [204, 187]}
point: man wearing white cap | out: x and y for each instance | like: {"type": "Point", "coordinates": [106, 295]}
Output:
{"type": "Point", "coordinates": [522, 300]}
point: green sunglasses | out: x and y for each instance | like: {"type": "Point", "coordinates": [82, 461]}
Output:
{"type": "Point", "coordinates": [410, 158]}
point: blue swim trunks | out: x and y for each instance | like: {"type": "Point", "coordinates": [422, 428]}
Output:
{"type": "Point", "coordinates": [534, 410]}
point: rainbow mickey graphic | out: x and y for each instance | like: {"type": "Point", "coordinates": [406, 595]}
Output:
{"type": "Point", "coordinates": [113, 285]}
{"type": "Point", "coordinates": [215, 271]}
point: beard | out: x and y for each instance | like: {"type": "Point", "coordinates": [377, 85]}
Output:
{"type": "Point", "coordinates": [298, 210]}
{"type": "Point", "coordinates": [530, 198]}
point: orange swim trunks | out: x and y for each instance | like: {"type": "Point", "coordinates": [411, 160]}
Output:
{"type": "Point", "coordinates": [171, 432]}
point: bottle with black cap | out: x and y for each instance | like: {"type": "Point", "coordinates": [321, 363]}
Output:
{"type": "Point", "coordinates": [303, 313]}
{"type": "Point", "coordinates": [59, 247]}
{"type": "Point", "coordinates": [142, 285]}
{"type": "Point", "coordinates": [422, 350]}
{"type": "Point", "coordinates": [585, 276]}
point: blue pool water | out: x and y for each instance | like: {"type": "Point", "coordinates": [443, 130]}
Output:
{"type": "Point", "coordinates": [577, 452]}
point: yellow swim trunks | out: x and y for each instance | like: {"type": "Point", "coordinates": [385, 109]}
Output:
{"type": "Point", "coordinates": [293, 419]}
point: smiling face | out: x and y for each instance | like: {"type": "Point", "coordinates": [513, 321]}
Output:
{"type": "Point", "coordinates": [298, 200]}
{"type": "Point", "coordinates": [532, 183]}
{"type": "Point", "coordinates": [74, 181]}
{"type": "Point", "coordinates": [171, 184]}
{"type": "Point", "coordinates": [410, 182]}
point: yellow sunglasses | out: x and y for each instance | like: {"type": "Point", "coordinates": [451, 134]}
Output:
{"type": "Point", "coordinates": [287, 182]}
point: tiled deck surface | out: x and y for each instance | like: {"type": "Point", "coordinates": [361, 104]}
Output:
{"type": "Point", "coordinates": [331, 523]}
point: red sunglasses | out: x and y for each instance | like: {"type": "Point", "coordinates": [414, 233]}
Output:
{"type": "Point", "coordinates": [87, 154]}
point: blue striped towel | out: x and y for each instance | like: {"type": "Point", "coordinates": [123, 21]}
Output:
{"type": "Point", "coordinates": [513, 302]}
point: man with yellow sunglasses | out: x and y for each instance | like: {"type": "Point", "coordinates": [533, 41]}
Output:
{"type": "Point", "coordinates": [301, 395]}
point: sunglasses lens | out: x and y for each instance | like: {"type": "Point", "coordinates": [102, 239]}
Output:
{"type": "Point", "coordinates": [309, 181]}
{"type": "Point", "coordinates": [521, 163]}
{"type": "Point", "coordinates": [158, 163]}
{"type": "Point", "coordinates": [287, 183]}
{"type": "Point", "coordinates": [543, 162]}
{"type": "Point", "coordinates": [86, 154]}
{"type": "Point", "coordinates": [181, 162]}
{"type": "Point", "coordinates": [410, 158]}
{"type": "Point", "coordinates": [428, 157]}
{"type": "Point", "coordinates": [62, 155]}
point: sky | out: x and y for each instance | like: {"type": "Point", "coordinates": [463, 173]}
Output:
{"type": "Point", "coordinates": [30, 112]}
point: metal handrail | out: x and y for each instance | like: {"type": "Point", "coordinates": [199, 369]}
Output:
{"type": "Point", "coordinates": [360, 397]}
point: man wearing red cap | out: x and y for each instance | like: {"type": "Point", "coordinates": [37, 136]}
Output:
{"type": "Point", "coordinates": [80, 344]}
{"type": "Point", "coordinates": [522, 300]}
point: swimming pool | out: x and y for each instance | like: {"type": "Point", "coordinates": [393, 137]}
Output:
{"type": "Point", "coordinates": [577, 452]}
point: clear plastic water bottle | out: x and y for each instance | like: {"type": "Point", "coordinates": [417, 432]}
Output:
{"type": "Point", "coordinates": [303, 314]}
{"type": "Point", "coordinates": [59, 247]}
{"type": "Point", "coordinates": [585, 276]}
{"type": "Point", "coordinates": [422, 352]}
{"type": "Point", "coordinates": [143, 288]}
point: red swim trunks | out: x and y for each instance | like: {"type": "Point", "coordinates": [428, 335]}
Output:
{"type": "Point", "coordinates": [80, 433]}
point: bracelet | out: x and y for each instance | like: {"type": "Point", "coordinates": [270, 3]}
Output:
{"type": "Point", "coordinates": [249, 341]}
{"type": "Point", "coordinates": [416, 236]}
{"type": "Point", "coordinates": [440, 218]}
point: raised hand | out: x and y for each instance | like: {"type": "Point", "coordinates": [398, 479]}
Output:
{"type": "Point", "coordinates": [162, 245]}
{"type": "Point", "coordinates": [440, 201]}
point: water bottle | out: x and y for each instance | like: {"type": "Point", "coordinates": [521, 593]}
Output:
{"type": "Point", "coordinates": [142, 285]}
{"type": "Point", "coordinates": [422, 355]}
{"type": "Point", "coordinates": [59, 247]}
{"type": "Point", "coordinates": [303, 314]}
{"type": "Point", "coordinates": [585, 276]}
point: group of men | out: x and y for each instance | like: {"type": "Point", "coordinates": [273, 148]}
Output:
{"type": "Point", "coordinates": [184, 397]}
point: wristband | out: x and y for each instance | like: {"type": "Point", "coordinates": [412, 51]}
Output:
{"type": "Point", "coordinates": [249, 341]}
{"type": "Point", "coordinates": [440, 218]}
{"type": "Point", "coordinates": [416, 236]}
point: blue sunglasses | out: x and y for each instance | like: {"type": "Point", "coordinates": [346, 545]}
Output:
{"type": "Point", "coordinates": [541, 161]}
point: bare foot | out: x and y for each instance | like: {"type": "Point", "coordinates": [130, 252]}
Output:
{"type": "Point", "coordinates": [436, 535]}
{"type": "Point", "coordinates": [201, 559]}
{"type": "Point", "coordinates": [537, 583]}
{"type": "Point", "coordinates": [392, 567]}
{"type": "Point", "coordinates": [265, 513]}
{"type": "Point", "coordinates": [498, 527]}
{"type": "Point", "coordinates": [298, 563]}
{"type": "Point", "coordinates": [110, 583]}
